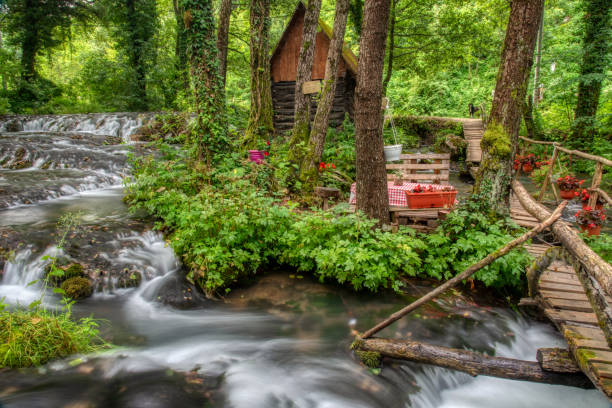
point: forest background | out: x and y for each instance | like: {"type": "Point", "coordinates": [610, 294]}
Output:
{"type": "Point", "coordinates": [126, 56]}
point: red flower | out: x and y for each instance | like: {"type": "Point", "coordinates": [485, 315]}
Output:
{"type": "Point", "coordinates": [333, 166]}
{"type": "Point", "coordinates": [577, 213]}
{"type": "Point", "coordinates": [266, 154]}
{"type": "Point", "coordinates": [591, 225]}
{"type": "Point", "coordinates": [576, 193]}
{"type": "Point", "coordinates": [588, 208]}
{"type": "Point", "coordinates": [580, 182]}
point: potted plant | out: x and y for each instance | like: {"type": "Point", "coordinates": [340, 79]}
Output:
{"type": "Point", "coordinates": [584, 198]}
{"type": "Point", "coordinates": [568, 186]}
{"type": "Point", "coordinates": [428, 196]}
{"type": "Point", "coordinates": [590, 220]}
{"type": "Point", "coordinates": [527, 163]}
{"type": "Point", "coordinates": [398, 180]}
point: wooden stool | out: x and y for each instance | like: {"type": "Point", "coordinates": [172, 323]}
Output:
{"type": "Point", "coordinates": [326, 193]}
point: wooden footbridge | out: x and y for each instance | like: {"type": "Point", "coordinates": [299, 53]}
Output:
{"type": "Point", "coordinates": [569, 282]}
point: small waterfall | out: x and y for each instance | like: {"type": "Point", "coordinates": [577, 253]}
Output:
{"type": "Point", "coordinates": [114, 124]}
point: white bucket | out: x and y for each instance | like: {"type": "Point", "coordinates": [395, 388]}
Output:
{"type": "Point", "coordinates": [393, 152]}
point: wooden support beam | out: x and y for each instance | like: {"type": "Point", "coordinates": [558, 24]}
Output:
{"type": "Point", "coordinates": [595, 184]}
{"type": "Point", "coordinates": [471, 362]}
{"type": "Point", "coordinates": [557, 360]}
{"type": "Point", "coordinates": [549, 175]}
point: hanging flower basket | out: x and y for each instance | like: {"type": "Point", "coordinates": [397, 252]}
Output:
{"type": "Point", "coordinates": [584, 197]}
{"type": "Point", "coordinates": [393, 152]}
{"type": "Point", "coordinates": [596, 230]}
{"type": "Point", "coordinates": [568, 194]}
{"type": "Point", "coordinates": [425, 197]}
{"type": "Point", "coordinates": [527, 168]}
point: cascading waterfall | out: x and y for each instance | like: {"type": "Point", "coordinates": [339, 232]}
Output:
{"type": "Point", "coordinates": [282, 343]}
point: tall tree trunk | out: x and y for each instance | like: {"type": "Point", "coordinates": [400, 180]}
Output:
{"type": "Point", "coordinates": [261, 123]}
{"type": "Point", "coordinates": [372, 195]}
{"type": "Point", "coordinates": [180, 46]}
{"type": "Point", "coordinates": [30, 42]}
{"type": "Point", "coordinates": [536, 74]}
{"type": "Point", "coordinates": [593, 69]}
{"type": "Point", "coordinates": [136, 58]}
{"type": "Point", "coordinates": [326, 100]}
{"type": "Point", "coordinates": [500, 140]}
{"type": "Point", "coordinates": [390, 48]}
{"type": "Point", "coordinates": [222, 35]}
{"type": "Point", "coordinates": [210, 135]}
{"type": "Point", "coordinates": [301, 122]}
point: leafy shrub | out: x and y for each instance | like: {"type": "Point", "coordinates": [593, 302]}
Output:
{"type": "Point", "coordinates": [32, 338]}
{"type": "Point", "coordinates": [601, 244]}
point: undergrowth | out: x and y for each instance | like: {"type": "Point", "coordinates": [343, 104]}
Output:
{"type": "Point", "coordinates": [234, 223]}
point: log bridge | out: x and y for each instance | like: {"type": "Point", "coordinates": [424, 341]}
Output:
{"type": "Point", "coordinates": [570, 283]}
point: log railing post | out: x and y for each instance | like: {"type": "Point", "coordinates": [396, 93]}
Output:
{"type": "Point", "coordinates": [549, 175]}
{"type": "Point", "coordinates": [595, 184]}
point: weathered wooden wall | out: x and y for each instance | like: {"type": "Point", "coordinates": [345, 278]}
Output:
{"type": "Point", "coordinates": [285, 59]}
{"type": "Point", "coordinates": [283, 96]}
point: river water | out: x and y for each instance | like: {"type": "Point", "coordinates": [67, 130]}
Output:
{"type": "Point", "coordinates": [281, 342]}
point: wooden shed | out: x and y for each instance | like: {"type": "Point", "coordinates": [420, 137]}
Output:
{"type": "Point", "coordinates": [283, 67]}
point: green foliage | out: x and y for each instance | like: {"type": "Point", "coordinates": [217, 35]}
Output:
{"type": "Point", "coordinates": [230, 226]}
{"type": "Point", "coordinates": [413, 130]}
{"type": "Point", "coordinates": [601, 244]}
{"type": "Point", "coordinates": [35, 337]}
{"type": "Point", "coordinates": [468, 234]}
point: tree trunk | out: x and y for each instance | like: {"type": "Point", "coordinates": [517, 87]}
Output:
{"type": "Point", "coordinates": [180, 46]}
{"type": "Point", "coordinates": [372, 195]}
{"type": "Point", "coordinates": [593, 69]}
{"type": "Point", "coordinates": [136, 58]}
{"type": "Point", "coordinates": [261, 123]}
{"type": "Point", "coordinates": [301, 121]}
{"type": "Point", "coordinates": [225, 13]}
{"type": "Point", "coordinates": [210, 135]}
{"type": "Point", "coordinates": [500, 140]}
{"type": "Point", "coordinates": [470, 362]}
{"type": "Point", "coordinates": [30, 42]}
{"type": "Point", "coordinates": [328, 93]}
{"type": "Point", "coordinates": [391, 48]}
{"type": "Point", "coordinates": [536, 74]}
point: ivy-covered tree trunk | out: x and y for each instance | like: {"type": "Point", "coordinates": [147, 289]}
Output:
{"type": "Point", "coordinates": [261, 123]}
{"type": "Point", "coordinates": [372, 195]}
{"type": "Point", "coordinates": [30, 42]}
{"type": "Point", "coordinates": [136, 53]}
{"type": "Point", "coordinates": [500, 139]}
{"type": "Point", "coordinates": [592, 72]}
{"type": "Point", "coordinates": [301, 122]}
{"type": "Point", "coordinates": [210, 135]}
{"type": "Point", "coordinates": [180, 45]}
{"type": "Point", "coordinates": [225, 12]}
{"type": "Point", "coordinates": [326, 100]}
{"type": "Point", "coordinates": [390, 48]}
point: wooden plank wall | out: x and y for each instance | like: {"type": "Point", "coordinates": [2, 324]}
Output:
{"type": "Point", "coordinates": [284, 62]}
{"type": "Point", "coordinates": [283, 97]}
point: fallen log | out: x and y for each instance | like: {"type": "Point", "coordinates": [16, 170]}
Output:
{"type": "Point", "coordinates": [470, 362]}
{"type": "Point", "coordinates": [594, 273]}
{"type": "Point", "coordinates": [468, 272]}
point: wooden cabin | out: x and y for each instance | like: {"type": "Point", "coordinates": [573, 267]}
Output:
{"type": "Point", "coordinates": [283, 67]}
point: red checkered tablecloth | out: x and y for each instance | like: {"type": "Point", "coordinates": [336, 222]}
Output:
{"type": "Point", "coordinates": [397, 194]}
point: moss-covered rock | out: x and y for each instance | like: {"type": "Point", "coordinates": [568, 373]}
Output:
{"type": "Point", "coordinates": [77, 288]}
{"type": "Point", "coordinates": [66, 271]}
{"type": "Point", "coordinates": [129, 279]}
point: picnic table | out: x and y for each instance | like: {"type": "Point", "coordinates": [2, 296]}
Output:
{"type": "Point", "coordinates": [397, 194]}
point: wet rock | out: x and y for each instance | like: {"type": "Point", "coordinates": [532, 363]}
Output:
{"type": "Point", "coordinates": [14, 125]}
{"type": "Point", "coordinates": [180, 294]}
{"type": "Point", "coordinates": [77, 288]}
{"type": "Point", "coordinates": [129, 279]}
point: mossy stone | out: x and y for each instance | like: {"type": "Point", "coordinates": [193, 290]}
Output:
{"type": "Point", "coordinates": [77, 288]}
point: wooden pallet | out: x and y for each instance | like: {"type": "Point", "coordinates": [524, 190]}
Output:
{"type": "Point", "coordinates": [565, 303]}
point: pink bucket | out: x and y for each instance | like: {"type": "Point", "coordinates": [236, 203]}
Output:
{"type": "Point", "coordinates": [256, 156]}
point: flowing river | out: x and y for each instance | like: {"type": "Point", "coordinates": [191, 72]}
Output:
{"type": "Point", "coordinates": [281, 342]}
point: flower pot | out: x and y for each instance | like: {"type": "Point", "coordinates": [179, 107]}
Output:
{"type": "Point", "coordinates": [591, 231]}
{"type": "Point", "coordinates": [433, 199]}
{"type": "Point", "coordinates": [256, 156]}
{"type": "Point", "coordinates": [527, 168]}
{"type": "Point", "coordinates": [585, 204]}
{"type": "Point", "coordinates": [568, 194]}
{"type": "Point", "coordinates": [393, 152]}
